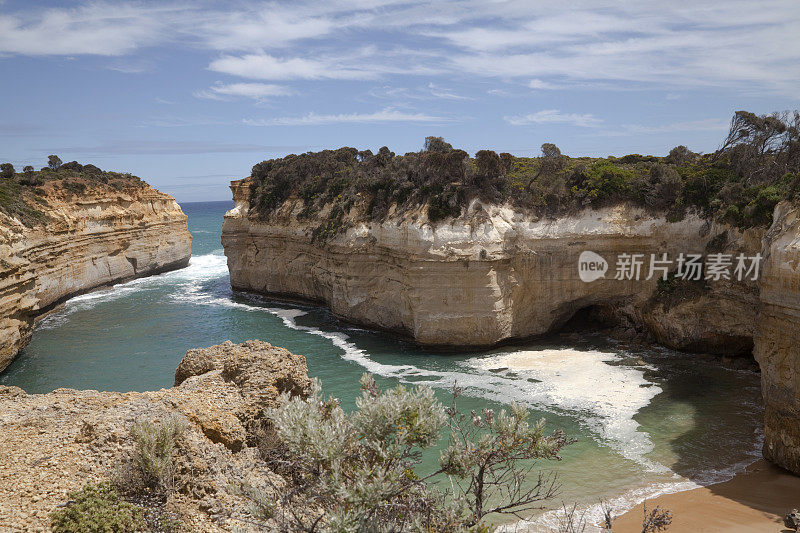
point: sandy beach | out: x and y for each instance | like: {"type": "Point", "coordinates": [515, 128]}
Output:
{"type": "Point", "coordinates": [754, 501]}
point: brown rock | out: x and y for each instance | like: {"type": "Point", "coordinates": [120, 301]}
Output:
{"type": "Point", "coordinates": [83, 436]}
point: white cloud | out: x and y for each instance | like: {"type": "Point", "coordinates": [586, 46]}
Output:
{"type": "Point", "coordinates": [267, 67]}
{"type": "Point", "coordinates": [265, 27]}
{"type": "Point", "coordinates": [313, 119]}
{"type": "Point", "coordinates": [92, 29]}
{"type": "Point", "coordinates": [554, 116]}
{"type": "Point", "coordinates": [447, 94]}
{"type": "Point", "coordinates": [541, 85]}
{"type": "Point", "coordinates": [734, 44]}
{"type": "Point", "coordinates": [257, 91]}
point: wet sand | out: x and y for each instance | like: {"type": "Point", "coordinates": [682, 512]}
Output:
{"type": "Point", "coordinates": [754, 501]}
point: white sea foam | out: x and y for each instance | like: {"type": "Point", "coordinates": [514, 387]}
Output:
{"type": "Point", "coordinates": [201, 268]}
{"type": "Point", "coordinates": [607, 395]}
{"type": "Point", "coordinates": [582, 383]}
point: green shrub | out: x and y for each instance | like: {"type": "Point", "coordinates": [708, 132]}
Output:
{"type": "Point", "coordinates": [154, 447]}
{"type": "Point", "coordinates": [604, 180]}
{"type": "Point", "coordinates": [359, 469]}
{"type": "Point", "coordinates": [97, 509]}
{"type": "Point", "coordinates": [6, 170]}
{"type": "Point", "coordinates": [726, 184]}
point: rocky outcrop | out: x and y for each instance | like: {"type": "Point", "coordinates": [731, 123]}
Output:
{"type": "Point", "coordinates": [777, 340]}
{"type": "Point", "coordinates": [489, 276]}
{"type": "Point", "coordinates": [57, 442]}
{"type": "Point", "coordinates": [98, 237]}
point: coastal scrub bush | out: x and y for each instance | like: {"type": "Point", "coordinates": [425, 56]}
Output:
{"type": "Point", "coordinates": [53, 162]}
{"type": "Point", "coordinates": [152, 458]}
{"type": "Point", "coordinates": [358, 471]}
{"type": "Point", "coordinates": [6, 170]}
{"type": "Point", "coordinates": [97, 509]}
{"type": "Point", "coordinates": [442, 180]}
{"type": "Point", "coordinates": [19, 197]}
{"type": "Point", "coordinates": [604, 180]}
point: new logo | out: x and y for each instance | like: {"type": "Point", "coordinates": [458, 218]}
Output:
{"type": "Point", "coordinates": [591, 266]}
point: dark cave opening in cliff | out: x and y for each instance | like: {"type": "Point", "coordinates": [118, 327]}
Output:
{"type": "Point", "coordinates": [730, 350]}
{"type": "Point", "coordinates": [590, 318]}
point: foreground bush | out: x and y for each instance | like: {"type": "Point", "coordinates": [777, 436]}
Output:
{"type": "Point", "coordinates": [97, 509]}
{"type": "Point", "coordinates": [359, 471]}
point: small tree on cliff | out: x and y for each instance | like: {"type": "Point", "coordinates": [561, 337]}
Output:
{"type": "Point", "coordinates": [6, 171]}
{"type": "Point", "coordinates": [358, 471]}
{"type": "Point", "coordinates": [54, 162]}
{"type": "Point", "coordinates": [29, 176]}
{"type": "Point", "coordinates": [436, 144]}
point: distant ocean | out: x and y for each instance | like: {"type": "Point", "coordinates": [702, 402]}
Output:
{"type": "Point", "coordinates": [648, 421]}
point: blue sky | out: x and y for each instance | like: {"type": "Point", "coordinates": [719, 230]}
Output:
{"type": "Point", "coordinates": [189, 95]}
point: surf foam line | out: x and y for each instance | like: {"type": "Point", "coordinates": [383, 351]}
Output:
{"type": "Point", "coordinates": [604, 404]}
{"type": "Point", "coordinates": [584, 381]}
{"type": "Point", "coordinates": [201, 268]}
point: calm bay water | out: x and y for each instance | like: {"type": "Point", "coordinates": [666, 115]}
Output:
{"type": "Point", "coordinates": [647, 420]}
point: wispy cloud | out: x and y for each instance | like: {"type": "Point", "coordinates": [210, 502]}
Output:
{"type": "Point", "coordinates": [267, 67]}
{"type": "Point", "coordinates": [447, 94]}
{"type": "Point", "coordinates": [554, 116]}
{"type": "Point", "coordinates": [314, 119]}
{"type": "Point", "coordinates": [91, 29]}
{"type": "Point", "coordinates": [256, 91]}
{"type": "Point", "coordinates": [541, 85]}
{"type": "Point", "coordinates": [735, 43]}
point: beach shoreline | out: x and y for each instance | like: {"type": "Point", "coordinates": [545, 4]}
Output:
{"type": "Point", "coordinates": [752, 501]}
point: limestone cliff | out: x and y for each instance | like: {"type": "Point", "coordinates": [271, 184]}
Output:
{"type": "Point", "coordinates": [95, 237]}
{"type": "Point", "coordinates": [491, 275]}
{"type": "Point", "coordinates": [55, 443]}
{"type": "Point", "coordinates": [777, 341]}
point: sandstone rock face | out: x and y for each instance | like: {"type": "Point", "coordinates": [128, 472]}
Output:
{"type": "Point", "coordinates": [57, 442]}
{"type": "Point", "coordinates": [777, 341]}
{"type": "Point", "coordinates": [100, 237]}
{"type": "Point", "coordinates": [489, 276]}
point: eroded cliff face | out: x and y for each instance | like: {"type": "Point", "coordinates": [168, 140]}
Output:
{"type": "Point", "coordinates": [56, 443]}
{"type": "Point", "coordinates": [489, 276]}
{"type": "Point", "coordinates": [777, 340]}
{"type": "Point", "coordinates": [99, 237]}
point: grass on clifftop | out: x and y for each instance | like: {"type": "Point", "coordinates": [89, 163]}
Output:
{"type": "Point", "coordinates": [757, 165]}
{"type": "Point", "coordinates": [22, 194]}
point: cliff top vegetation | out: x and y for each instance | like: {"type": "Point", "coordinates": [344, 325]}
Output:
{"type": "Point", "coordinates": [23, 194]}
{"type": "Point", "coordinates": [756, 166]}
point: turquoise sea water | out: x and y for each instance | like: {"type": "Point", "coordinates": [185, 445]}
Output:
{"type": "Point", "coordinates": [647, 420]}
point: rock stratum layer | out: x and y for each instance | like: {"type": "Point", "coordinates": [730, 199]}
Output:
{"type": "Point", "coordinates": [99, 237]}
{"type": "Point", "coordinates": [494, 274]}
{"type": "Point", "coordinates": [57, 442]}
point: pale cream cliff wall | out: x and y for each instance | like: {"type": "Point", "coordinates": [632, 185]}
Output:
{"type": "Point", "coordinates": [777, 341]}
{"type": "Point", "coordinates": [489, 276]}
{"type": "Point", "coordinates": [100, 237]}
